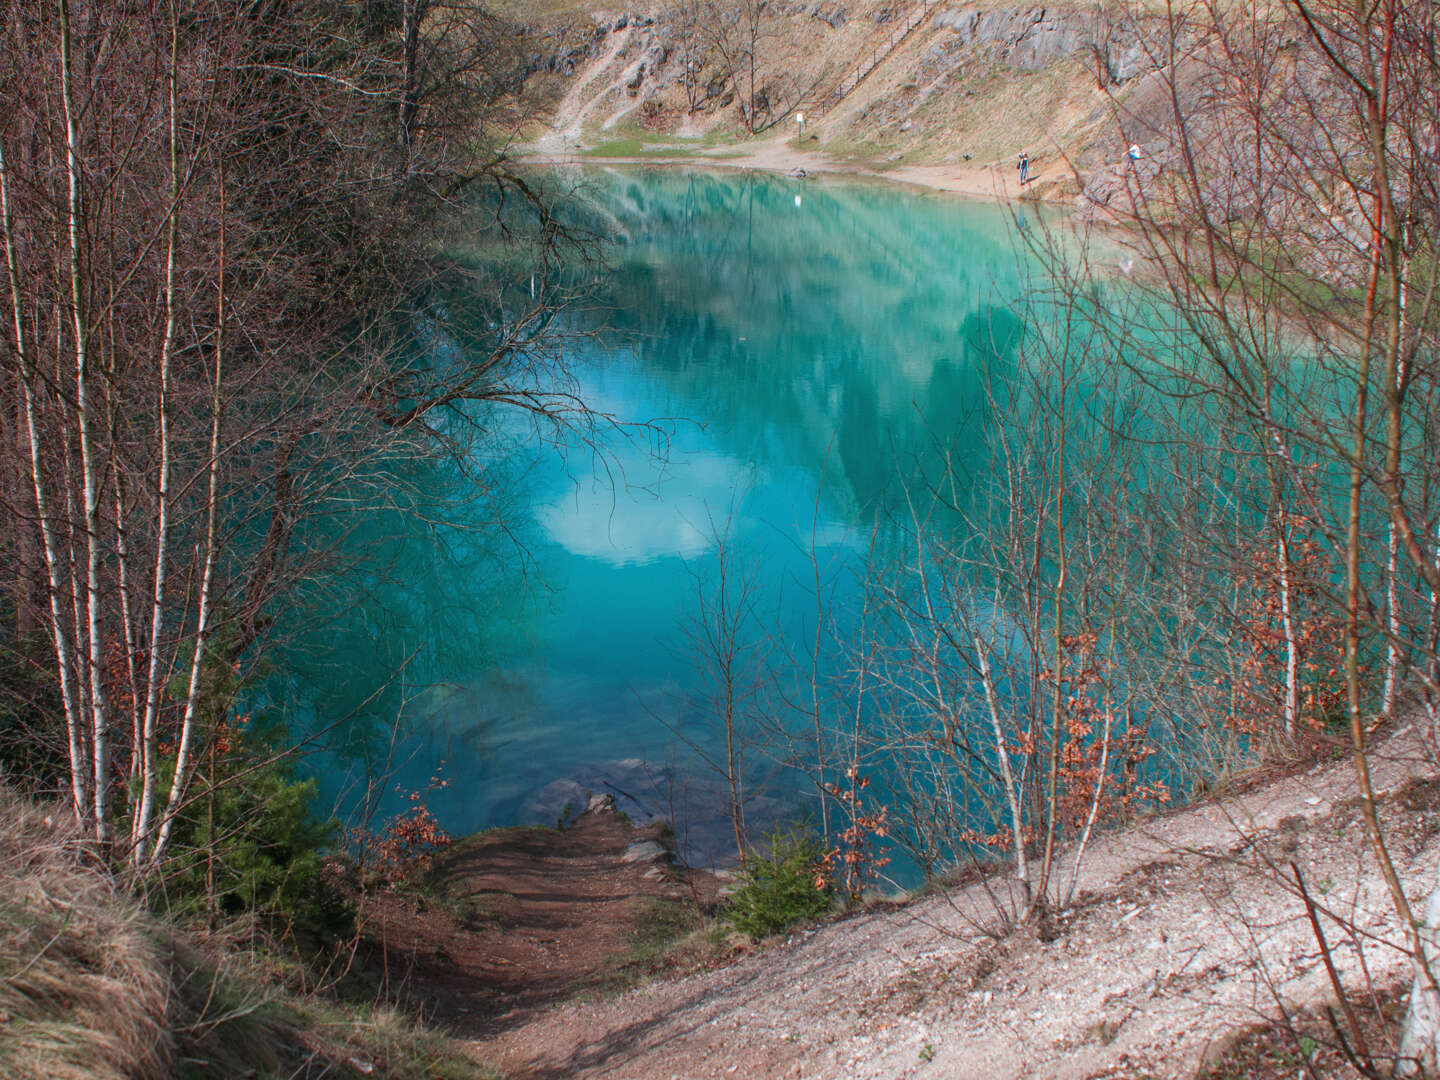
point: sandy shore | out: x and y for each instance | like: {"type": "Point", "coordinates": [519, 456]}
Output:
{"type": "Point", "coordinates": [991, 181]}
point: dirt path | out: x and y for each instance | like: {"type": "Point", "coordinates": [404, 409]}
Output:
{"type": "Point", "coordinates": [514, 920]}
{"type": "Point", "coordinates": [1184, 932]}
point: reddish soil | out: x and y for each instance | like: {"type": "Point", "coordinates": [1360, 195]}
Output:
{"type": "Point", "coordinates": [514, 920]}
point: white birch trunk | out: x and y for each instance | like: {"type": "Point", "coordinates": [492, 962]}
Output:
{"type": "Point", "coordinates": [1287, 622]}
{"type": "Point", "coordinates": [100, 720]}
{"type": "Point", "coordinates": [1392, 624]}
{"type": "Point", "coordinates": [149, 725]}
{"type": "Point", "coordinates": [1094, 809]}
{"type": "Point", "coordinates": [1421, 1039]}
{"type": "Point", "coordinates": [127, 621]}
{"type": "Point", "coordinates": [184, 763]}
{"type": "Point", "coordinates": [1012, 795]}
{"type": "Point", "coordinates": [78, 659]}
{"type": "Point", "coordinates": [58, 639]}
{"type": "Point", "coordinates": [1393, 654]}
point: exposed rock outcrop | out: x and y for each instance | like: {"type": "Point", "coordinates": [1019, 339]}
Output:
{"type": "Point", "coordinates": [1034, 38]}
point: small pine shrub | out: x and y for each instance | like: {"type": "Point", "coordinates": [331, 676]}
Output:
{"type": "Point", "coordinates": [250, 841]}
{"type": "Point", "coordinates": [783, 884]}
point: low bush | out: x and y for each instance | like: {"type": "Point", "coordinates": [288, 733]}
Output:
{"type": "Point", "coordinates": [95, 987]}
{"type": "Point", "coordinates": [250, 842]}
{"type": "Point", "coordinates": [783, 884]}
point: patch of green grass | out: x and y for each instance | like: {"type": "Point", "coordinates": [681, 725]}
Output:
{"type": "Point", "coordinates": [633, 147]}
{"type": "Point", "coordinates": [863, 151]}
{"type": "Point", "coordinates": [663, 930]}
{"type": "Point", "coordinates": [660, 927]}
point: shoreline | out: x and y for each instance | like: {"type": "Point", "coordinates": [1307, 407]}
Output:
{"type": "Point", "coordinates": [989, 182]}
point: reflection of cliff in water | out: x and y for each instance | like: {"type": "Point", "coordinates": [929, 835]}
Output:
{"type": "Point", "coordinates": [861, 317]}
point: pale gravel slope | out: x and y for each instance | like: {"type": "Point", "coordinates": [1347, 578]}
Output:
{"type": "Point", "coordinates": [1159, 964]}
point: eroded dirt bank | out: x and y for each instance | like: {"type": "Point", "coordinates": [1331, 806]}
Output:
{"type": "Point", "coordinates": [512, 921]}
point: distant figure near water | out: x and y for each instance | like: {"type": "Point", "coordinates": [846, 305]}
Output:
{"type": "Point", "coordinates": [1024, 167]}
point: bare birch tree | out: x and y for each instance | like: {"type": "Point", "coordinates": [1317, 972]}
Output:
{"type": "Point", "coordinates": [215, 261]}
{"type": "Point", "coordinates": [1285, 215]}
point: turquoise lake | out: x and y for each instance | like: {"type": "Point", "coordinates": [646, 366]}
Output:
{"type": "Point", "coordinates": [802, 349]}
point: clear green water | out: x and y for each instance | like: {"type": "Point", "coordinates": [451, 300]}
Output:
{"type": "Point", "coordinates": [805, 348]}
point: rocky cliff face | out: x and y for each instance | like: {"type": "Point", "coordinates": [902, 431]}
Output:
{"type": "Point", "coordinates": [970, 83]}
{"type": "Point", "coordinates": [1034, 38]}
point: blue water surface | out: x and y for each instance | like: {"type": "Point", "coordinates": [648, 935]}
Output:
{"type": "Point", "coordinates": [781, 360]}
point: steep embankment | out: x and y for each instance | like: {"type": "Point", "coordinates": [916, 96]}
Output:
{"type": "Point", "coordinates": [1186, 930]}
{"type": "Point", "coordinates": [932, 93]}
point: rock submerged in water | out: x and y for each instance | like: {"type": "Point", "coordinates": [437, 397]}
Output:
{"type": "Point", "coordinates": [699, 805]}
{"type": "Point", "coordinates": [634, 789]}
{"type": "Point", "coordinates": [553, 803]}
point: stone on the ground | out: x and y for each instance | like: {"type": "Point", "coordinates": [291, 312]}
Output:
{"type": "Point", "coordinates": [600, 804]}
{"type": "Point", "coordinates": [643, 851]}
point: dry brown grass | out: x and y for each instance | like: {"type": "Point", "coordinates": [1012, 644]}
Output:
{"type": "Point", "coordinates": [85, 983]}
{"type": "Point", "coordinates": [94, 987]}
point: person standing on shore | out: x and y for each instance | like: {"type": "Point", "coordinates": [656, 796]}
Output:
{"type": "Point", "coordinates": [1024, 168]}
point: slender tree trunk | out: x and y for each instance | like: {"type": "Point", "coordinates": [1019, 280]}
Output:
{"type": "Point", "coordinates": [1287, 623]}
{"type": "Point", "coordinates": [1395, 394]}
{"type": "Point", "coordinates": [184, 764]}
{"type": "Point", "coordinates": [1377, 106]}
{"type": "Point", "coordinates": [1012, 794]}
{"type": "Point", "coordinates": [89, 466]}
{"type": "Point", "coordinates": [70, 559]}
{"type": "Point", "coordinates": [58, 638]}
{"type": "Point", "coordinates": [412, 12]}
{"type": "Point", "coordinates": [150, 723]}
{"type": "Point", "coordinates": [1095, 802]}
{"type": "Point", "coordinates": [1057, 701]}
{"type": "Point", "coordinates": [127, 622]}
{"type": "Point", "coordinates": [1420, 1042]}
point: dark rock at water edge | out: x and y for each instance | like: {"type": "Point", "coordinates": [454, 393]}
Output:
{"type": "Point", "coordinates": [697, 807]}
